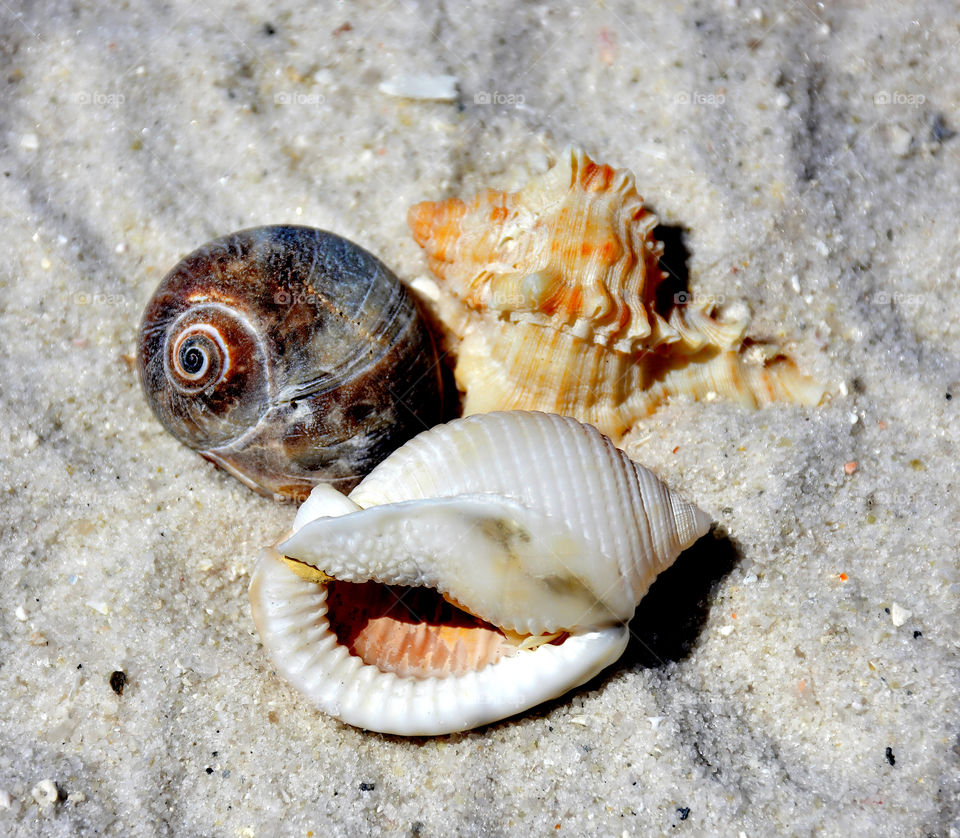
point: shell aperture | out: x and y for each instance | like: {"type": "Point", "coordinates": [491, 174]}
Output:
{"type": "Point", "coordinates": [551, 292]}
{"type": "Point", "coordinates": [288, 356]}
{"type": "Point", "coordinates": [541, 533]}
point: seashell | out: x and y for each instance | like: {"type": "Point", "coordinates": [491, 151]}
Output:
{"type": "Point", "coordinates": [288, 356]}
{"type": "Point", "coordinates": [488, 565]}
{"type": "Point", "coordinates": [552, 294]}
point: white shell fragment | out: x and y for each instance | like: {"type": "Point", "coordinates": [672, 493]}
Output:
{"type": "Point", "coordinates": [439, 88]}
{"type": "Point", "coordinates": [539, 534]}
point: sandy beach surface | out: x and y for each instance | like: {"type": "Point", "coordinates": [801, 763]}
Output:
{"type": "Point", "coordinates": [796, 673]}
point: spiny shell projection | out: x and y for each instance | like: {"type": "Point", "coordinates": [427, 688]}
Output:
{"type": "Point", "coordinates": [288, 356]}
{"type": "Point", "coordinates": [552, 292]}
{"type": "Point", "coordinates": [486, 566]}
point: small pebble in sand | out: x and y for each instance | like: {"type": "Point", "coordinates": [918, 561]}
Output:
{"type": "Point", "coordinates": [890, 757]}
{"type": "Point", "coordinates": [899, 615]}
{"type": "Point", "coordinates": [45, 793]}
{"type": "Point", "coordinates": [900, 139]}
{"type": "Point", "coordinates": [850, 468]}
{"type": "Point", "coordinates": [20, 613]}
{"type": "Point", "coordinates": [939, 130]}
{"type": "Point", "coordinates": [118, 680]}
{"type": "Point", "coordinates": [30, 142]}
{"type": "Point", "coordinates": [6, 801]}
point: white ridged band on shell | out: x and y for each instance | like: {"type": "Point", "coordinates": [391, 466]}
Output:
{"type": "Point", "coordinates": [292, 620]}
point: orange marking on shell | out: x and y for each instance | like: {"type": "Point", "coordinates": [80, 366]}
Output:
{"type": "Point", "coordinates": [437, 223]}
{"type": "Point", "coordinates": [564, 300]}
{"type": "Point", "coordinates": [552, 304]}
{"type": "Point", "coordinates": [610, 251]}
{"type": "Point", "coordinates": [596, 178]}
{"type": "Point", "coordinates": [573, 300]}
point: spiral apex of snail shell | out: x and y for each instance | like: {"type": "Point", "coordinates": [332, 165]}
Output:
{"type": "Point", "coordinates": [488, 565]}
{"type": "Point", "coordinates": [554, 294]}
{"type": "Point", "coordinates": [288, 356]}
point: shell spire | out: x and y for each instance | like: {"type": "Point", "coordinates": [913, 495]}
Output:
{"type": "Point", "coordinates": [532, 530]}
{"type": "Point", "coordinates": [552, 293]}
{"type": "Point", "coordinates": [539, 260]}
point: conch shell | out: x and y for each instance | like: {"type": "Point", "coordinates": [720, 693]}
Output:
{"type": "Point", "coordinates": [552, 292]}
{"type": "Point", "coordinates": [486, 566]}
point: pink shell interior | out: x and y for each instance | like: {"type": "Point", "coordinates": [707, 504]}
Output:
{"type": "Point", "coordinates": [411, 631]}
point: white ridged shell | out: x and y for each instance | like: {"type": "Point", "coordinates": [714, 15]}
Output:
{"type": "Point", "coordinates": [291, 618]}
{"type": "Point", "coordinates": [533, 522]}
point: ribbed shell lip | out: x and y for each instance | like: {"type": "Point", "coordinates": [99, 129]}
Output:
{"type": "Point", "coordinates": [291, 616]}
{"type": "Point", "coordinates": [420, 631]}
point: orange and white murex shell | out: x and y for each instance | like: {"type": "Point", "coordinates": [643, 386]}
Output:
{"type": "Point", "coordinates": [494, 562]}
{"type": "Point", "coordinates": [552, 294]}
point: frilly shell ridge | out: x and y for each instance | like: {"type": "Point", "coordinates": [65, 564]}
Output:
{"type": "Point", "coordinates": [573, 250]}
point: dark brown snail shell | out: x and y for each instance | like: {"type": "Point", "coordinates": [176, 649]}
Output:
{"type": "Point", "coordinates": [288, 356]}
